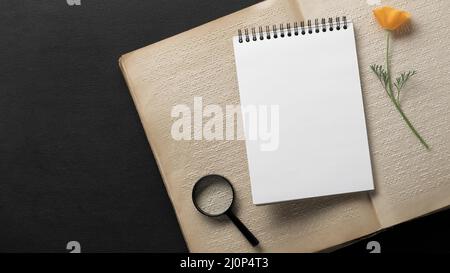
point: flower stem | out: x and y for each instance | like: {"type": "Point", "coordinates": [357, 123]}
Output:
{"type": "Point", "coordinates": [388, 64]}
{"type": "Point", "coordinates": [391, 95]}
{"type": "Point", "coordinates": [409, 124]}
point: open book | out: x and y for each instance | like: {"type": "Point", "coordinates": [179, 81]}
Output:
{"type": "Point", "coordinates": [409, 181]}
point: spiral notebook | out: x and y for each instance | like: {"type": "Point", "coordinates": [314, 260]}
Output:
{"type": "Point", "coordinates": [308, 73]}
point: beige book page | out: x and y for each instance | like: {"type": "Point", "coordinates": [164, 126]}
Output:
{"type": "Point", "coordinates": [409, 180]}
{"type": "Point", "coordinates": [200, 63]}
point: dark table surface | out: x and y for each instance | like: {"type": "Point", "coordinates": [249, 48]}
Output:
{"type": "Point", "coordinates": [74, 161]}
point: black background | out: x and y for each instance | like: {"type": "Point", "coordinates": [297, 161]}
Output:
{"type": "Point", "coordinates": [75, 163]}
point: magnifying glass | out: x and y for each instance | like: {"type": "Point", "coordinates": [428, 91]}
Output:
{"type": "Point", "coordinates": [213, 196]}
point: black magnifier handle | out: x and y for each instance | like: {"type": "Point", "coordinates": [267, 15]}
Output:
{"type": "Point", "coordinates": [248, 235]}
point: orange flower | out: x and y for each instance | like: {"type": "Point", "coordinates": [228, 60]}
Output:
{"type": "Point", "coordinates": [390, 18]}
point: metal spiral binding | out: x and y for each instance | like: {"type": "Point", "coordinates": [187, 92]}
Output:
{"type": "Point", "coordinates": [282, 30]}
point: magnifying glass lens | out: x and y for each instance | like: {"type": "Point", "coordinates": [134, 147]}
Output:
{"type": "Point", "coordinates": [213, 195]}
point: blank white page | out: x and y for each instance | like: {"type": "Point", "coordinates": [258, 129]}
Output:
{"type": "Point", "coordinates": [314, 80]}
